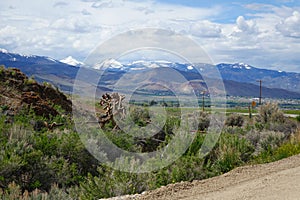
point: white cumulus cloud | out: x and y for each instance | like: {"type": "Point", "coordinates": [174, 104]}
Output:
{"type": "Point", "coordinates": [245, 26]}
{"type": "Point", "coordinates": [72, 24]}
{"type": "Point", "coordinates": [290, 26]}
{"type": "Point", "coordinates": [205, 29]}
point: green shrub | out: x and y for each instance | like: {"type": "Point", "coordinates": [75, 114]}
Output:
{"type": "Point", "coordinates": [270, 117]}
{"type": "Point", "coordinates": [14, 191]}
{"type": "Point", "coordinates": [235, 130]}
{"type": "Point", "coordinates": [2, 69]}
{"type": "Point", "coordinates": [270, 112]}
{"type": "Point", "coordinates": [288, 127]}
{"type": "Point", "coordinates": [265, 140]}
{"type": "Point", "coordinates": [111, 183]}
{"type": "Point", "coordinates": [194, 148]}
{"type": "Point", "coordinates": [234, 120]}
{"type": "Point", "coordinates": [187, 168]}
{"type": "Point", "coordinates": [139, 115]}
{"type": "Point", "coordinates": [30, 81]}
{"type": "Point", "coordinates": [230, 152]}
{"type": "Point", "coordinates": [47, 84]}
{"type": "Point", "coordinates": [204, 121]}
{"type": "Point", "coordinates": [270, 140]}
{"type": "Point", "coordinates": [39, 160]}
{"type": "Point", "coordinates": [298, 118]}
{"type": "Point", "coordinates": [285, 150]}
{"type": "Point", "coordinates": [3, 108]}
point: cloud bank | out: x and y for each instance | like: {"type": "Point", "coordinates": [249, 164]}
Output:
{"type": "Point", "coordinates": [263, 35]}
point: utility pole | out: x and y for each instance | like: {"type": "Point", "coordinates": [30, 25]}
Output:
{"type": "Point", "coordinates": [260, 91]}
{"type": "Point", "coordinates": [203, 93]}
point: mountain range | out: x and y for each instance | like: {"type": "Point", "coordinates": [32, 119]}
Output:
{"type": "Point", "coordinates": [238, 72]}
{"type": "Point", "coordinates": [239, 79]}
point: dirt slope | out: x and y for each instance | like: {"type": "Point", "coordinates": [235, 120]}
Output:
{"type": "Point", "coordinates": [278, 180]}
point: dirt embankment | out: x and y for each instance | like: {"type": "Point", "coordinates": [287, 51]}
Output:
{"type": "Point", "coordinates": [278, 180]}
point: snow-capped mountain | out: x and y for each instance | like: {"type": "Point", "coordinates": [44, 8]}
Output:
{"type": "Point", "coordinates": [72, 61]}
{"type": "Point", "coordinates": [3, 50]}
{"type": "Point", "coordinates": [239, 72]}
{"type": "Point", "coordinates": [271, 78]}
{"type": "Point", "coordinates": [7, 57]}
{"type": "Point", "coordinates": [109, 64]}
{"type": "Point", "coordinates": [43, 68]}
{"type": "Point", "coordinates": [114, 65]}
{"type": "Point", "coordinates": [236, 76]}
{"type": "Point", "coordinates": [237, 66]}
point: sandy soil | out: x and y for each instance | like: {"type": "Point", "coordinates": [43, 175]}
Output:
{"type": "Point", "coordinates": [278, 180]}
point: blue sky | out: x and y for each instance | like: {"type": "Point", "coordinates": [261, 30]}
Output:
{"type": "Point", "coordinates": [232, 9]}
{"type": "Point", "coordinates": [203, 3]}
{"type": "Point", "coordinates": [264, 34]}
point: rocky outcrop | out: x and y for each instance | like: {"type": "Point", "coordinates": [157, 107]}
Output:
{"type": "Point", "coordinates": [19, 93]}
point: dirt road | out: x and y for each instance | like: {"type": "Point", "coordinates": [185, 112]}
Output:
{"type": "Point", "coordinates": [278, 180]}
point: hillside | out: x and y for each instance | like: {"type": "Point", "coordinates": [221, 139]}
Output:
{"type": "Point", "coordinates": [20, 93]}
{"type": "Point", "coordinates": [241, 72]}
{"type": "Point", "coordinates": [163, 76]}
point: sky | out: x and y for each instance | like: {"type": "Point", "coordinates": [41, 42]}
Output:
{"type": "Point", "coordinates": [264, 34]}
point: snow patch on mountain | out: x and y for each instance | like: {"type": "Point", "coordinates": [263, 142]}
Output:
{"type": "Point", "coordinates": [246, 66]}
{"type": "Point", "coordinates": [190, 67]}
{"type": "Point", "coordinates": [137, 62]}
{"type": "Point", "coordinates": [153, 65]}
{"type": "Point", "coordinates": [163, 61]}
{"type": "Point", "coordinates": [3, 50]}
{"type": "Point", "coordinates": [142, 64]}
{"type": "Point", "coordinates": [237, 66]}
{"type": "Point", "coordinates": [109, 63]}
{"type": "Point", "coordinates": [15, 55]}
{"type": "Point", "coordinates": [51, 59]}
{"type": "Point", "coordinates": [71, 61]}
